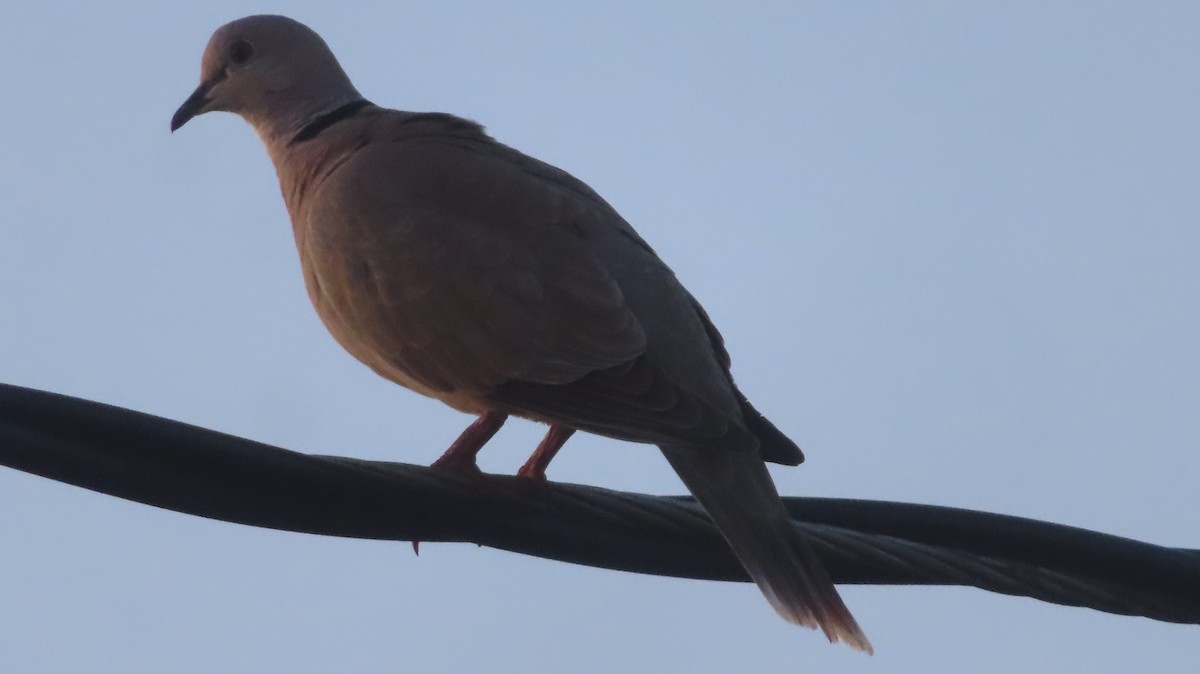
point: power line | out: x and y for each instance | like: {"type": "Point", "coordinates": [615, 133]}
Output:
{"type": "Point", "coordinates": [202, 472]}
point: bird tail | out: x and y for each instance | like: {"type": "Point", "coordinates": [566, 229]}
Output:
{"type": "Point", "coordinates": [736, 490]}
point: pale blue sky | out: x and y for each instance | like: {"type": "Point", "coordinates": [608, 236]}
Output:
{"type": "Point", "coordinates": [953, 249]}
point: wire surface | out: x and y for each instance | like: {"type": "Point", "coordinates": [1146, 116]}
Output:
{"type": "Point", "coordinates": [198, 471]}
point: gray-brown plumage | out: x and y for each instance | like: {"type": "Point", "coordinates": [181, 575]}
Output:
{"type": "Point", "coordinates": [466, 271]}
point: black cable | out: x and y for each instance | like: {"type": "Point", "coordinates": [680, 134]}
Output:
{"type": "Point", "coordinates": [202, 472]}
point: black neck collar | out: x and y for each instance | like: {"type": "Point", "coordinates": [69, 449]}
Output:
{"type": "Point", "coordinates": [322, 122]}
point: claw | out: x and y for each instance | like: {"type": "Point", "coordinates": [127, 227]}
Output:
{"type": "Point", "coordinates": [460, 458]}
{"type": "Point", "coordinates": [535, 467]}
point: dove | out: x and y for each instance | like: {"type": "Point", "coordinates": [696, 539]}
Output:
{"type": "Point", "coordinates": [466, 271]}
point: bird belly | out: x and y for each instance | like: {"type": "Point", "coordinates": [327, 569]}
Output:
{"type": "Point", "coordinates": [349, 305]}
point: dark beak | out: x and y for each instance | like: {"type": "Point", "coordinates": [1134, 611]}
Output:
{"type": "Point", "coordinates": [194, 105]}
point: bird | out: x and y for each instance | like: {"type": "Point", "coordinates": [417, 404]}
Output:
{"type": "Point", "coordinates": [464, 270]}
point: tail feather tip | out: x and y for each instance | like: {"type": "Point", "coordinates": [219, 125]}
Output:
{"type": "Point", "coordinates": [839, 626]}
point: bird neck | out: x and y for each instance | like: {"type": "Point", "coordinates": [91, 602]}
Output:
{"type": "Point", "coordinates": [323, 121]}
{"type": "Point", "coordinates": [279, 125]}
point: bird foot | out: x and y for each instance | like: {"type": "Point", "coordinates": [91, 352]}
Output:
{"type": "Point", "coordinates": [535, 468]}
{"type": "Point", "coordinates": [457, 464]}
{"type": "Point", "coordinates": [460, 458]}
{"type": "Point", "coordinates": [532, 471]}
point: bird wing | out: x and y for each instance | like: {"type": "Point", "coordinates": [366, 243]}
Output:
{"type": "Point", "coordinates": [495, 273]}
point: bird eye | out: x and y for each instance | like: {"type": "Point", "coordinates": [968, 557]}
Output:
{"type": "Point", "coordinates": [240, 52]}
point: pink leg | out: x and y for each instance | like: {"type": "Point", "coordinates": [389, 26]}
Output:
{"type": "Point", "coordinates": [460, 457]}
{"type": "Point", "coordinates": [535, 467]}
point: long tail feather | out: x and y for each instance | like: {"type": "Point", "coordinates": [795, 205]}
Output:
{"type": "Point", "coordinates": [737, 492]}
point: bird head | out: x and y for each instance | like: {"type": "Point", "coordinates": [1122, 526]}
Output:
{"type": "Point", "coordinates": [275, 72]}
